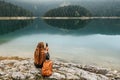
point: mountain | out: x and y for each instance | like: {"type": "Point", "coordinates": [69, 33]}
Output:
{"type": "Point", "coordinates": [68, 11]}
{"type": "Point", "coordinates": [8, 9]}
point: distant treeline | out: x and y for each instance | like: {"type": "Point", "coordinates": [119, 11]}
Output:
{"type": "Point", "coordinates": [68, 11]}
{"type": "Point", "coordinates": [8, 9]}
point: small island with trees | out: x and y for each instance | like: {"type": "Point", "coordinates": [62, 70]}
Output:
{"type": "Point", "coordinates": [68, 11]}
{"type": "Point", "coordinates": [63, 17]}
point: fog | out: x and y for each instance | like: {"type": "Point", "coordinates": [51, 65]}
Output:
{"type": "Point", "coordinates": [39, 7]}
{"type": "Point", "coordinates": [36, 1]}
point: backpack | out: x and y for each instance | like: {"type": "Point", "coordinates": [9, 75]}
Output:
{"type": "Point", "coordinates": [39, 58]}
{"type": "Point", "coordinates": [47, 68]}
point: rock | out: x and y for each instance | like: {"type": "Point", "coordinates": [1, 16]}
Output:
{"type": "Point", "coordinates": [95, 69]}
{"type": "Point", "coordinates": [34, 71]}
{"type": "Point", "coordinates": [18, 75]}
{"type": "Point", "coordinates": [115, 72]}
{"type": "Point", "coordinates": [102, 71]}
{"type": "Point", "coordinates": [29, 76]}
{"type": "Point", "coordinates": [1, 65]}
{"type": "Point", "coordinates": [71, 76]}
{"type": "Point", "coordinates": [57, 76]}
{"type": "Point", "coordinates": [77, 73]}
{"type": "Point", "coordinates": [102, 77]}
{"type": "Point", "coordinates": [5, 62]}
{"type": "Point", "coordinates": [2, 73]}
{"type": "Point", "coordinates": [109, 75]}
{"type": "Point", "coordinates": [22, 68]}
{"type": "Point", "coordinates": [114, 75]}
{"type": "Point", "coordinates": [91, 76]}
{"type": "Point", "coordinates": [25, 69]}
{"type": "Point", "coordinates": [11, 70]}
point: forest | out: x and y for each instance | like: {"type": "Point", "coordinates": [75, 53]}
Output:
{"type": "Point", "coordinates": [68, 11]}
{"type": "Point", "coordinates": [9, 10]}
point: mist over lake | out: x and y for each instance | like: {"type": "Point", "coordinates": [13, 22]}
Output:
{"type": "Point", "coordinates": [97, 8]}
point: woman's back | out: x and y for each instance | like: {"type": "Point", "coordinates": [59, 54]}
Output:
{"type": "Point", "coordinates": [39, 55]}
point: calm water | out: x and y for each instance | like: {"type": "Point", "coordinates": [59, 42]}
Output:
{"type": "Point", "coordinates": [80, 41]}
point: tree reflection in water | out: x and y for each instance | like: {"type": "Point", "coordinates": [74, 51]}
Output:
{"type": "Point", "coordinates": [69, 24]}
{"type": "Point", "coordinates": [7, 26]}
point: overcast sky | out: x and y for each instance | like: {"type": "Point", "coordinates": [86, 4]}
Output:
{"type": "Point", "coordinates": [59, 0]}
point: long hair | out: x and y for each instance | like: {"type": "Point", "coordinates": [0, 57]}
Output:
{"type": "Point", "coordinates": [40, 46]}
{"type": "Point", "coordinates": [38, 55]}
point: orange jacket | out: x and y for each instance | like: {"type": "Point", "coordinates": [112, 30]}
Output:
{"type": "Point", "coordinates": [47, 68]}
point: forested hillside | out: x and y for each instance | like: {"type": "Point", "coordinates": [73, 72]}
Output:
{"type": "Point", "coordinates": [8, 9]}
{"type": "Point", "coordinates": [68, 11]}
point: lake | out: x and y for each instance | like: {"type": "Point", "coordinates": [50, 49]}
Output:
{"type": "Point", "coordinates": [93, 42]}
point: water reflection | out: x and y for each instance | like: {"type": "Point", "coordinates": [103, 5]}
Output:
{"type": "Point", "coordinates": [68, 24]}
{"type": "Point", "coordinates": [106, 27]}
{"type": "Point", "coordinates": [86, 27]}
{"type": "Point", "coordinates": [74, 27]}
{"type": "Point", "coordinates": [7, 26]}
{"type": "Point", "coordinates": [94, 48]}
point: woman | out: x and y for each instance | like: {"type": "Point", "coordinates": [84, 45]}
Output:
{"type": "Point", "coordinates": [39, 55]}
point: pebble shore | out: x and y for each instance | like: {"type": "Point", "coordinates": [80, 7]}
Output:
{"type": "Point", "coordinates": [24, 69]}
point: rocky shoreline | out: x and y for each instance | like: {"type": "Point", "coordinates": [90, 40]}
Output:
{"type": "Point", "coordinates": [23, 69]}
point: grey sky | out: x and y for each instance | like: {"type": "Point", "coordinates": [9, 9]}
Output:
{"type": "Point", "coordinates": [59, 0]}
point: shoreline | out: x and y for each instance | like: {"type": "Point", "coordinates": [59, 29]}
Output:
{"type": "Point", "coordinates": [17, 18]}
{"type": "Point", "coordinates": [23, 68]}
{"type": "Point", "coordinates": [81, 18]}
{"type": "Point", "coordinates": [64, 18]}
